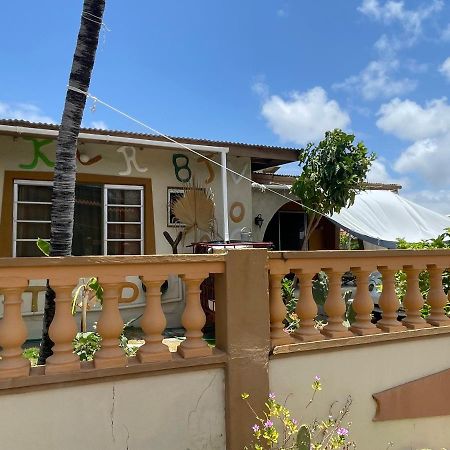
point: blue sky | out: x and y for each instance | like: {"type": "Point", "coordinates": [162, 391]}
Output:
{"type": "Point", "coordinates": [277, 72]}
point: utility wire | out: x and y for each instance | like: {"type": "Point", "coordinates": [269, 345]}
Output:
{"type": "Point", "coordinates": [186, 147]}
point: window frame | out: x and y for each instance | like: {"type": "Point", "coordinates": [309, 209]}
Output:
{"type": "Point", "coordinates": [7, 206]}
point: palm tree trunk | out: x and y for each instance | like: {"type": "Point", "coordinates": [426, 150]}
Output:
{"type": "Point", "coordinates": [63, 199]}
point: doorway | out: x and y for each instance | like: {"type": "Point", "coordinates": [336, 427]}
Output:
{"type": "Point", "coordinates": [286, 230]}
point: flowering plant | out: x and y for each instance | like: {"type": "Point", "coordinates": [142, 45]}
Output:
{"type": "Point", "coordinates": [277, 430]}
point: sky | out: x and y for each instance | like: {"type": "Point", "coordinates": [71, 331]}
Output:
{"type": "Point", "coordinates": [273, 72]}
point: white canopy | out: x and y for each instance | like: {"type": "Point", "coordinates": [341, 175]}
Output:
{"type": "Point", "coordinates": [382, 217]}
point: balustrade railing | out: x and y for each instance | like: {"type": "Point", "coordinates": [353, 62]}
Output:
{"type": "Point", "coordinates": [305, 265]}
{"type": "Point", "coordinates": [64, 274]}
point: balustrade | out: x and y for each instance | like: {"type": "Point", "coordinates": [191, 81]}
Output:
{"type": "Point", "coordinates": [277, 311]}
{"type": "Point", "coordinates": [193, 320]}
{"type": "Point", "coordinates": [153, 323]}
{"type": "Point", "coordinates": [13, 334]}
{"type": "Point", "coordinates": [63, 274]}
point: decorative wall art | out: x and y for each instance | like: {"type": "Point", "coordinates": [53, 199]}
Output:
{"type": "Point", "coordinates": [182, 171]}
{"type": "Point", "coordinates": [211, 174]}
{"type": "Point", "coordinates": [86, 161]}
{"type": "Point", "coordinates": [38, 155]}
{"type": "Point", "coordinates": [237, 212]}
{"type": "Point", "coordinates": [237, 178]}
{"type": "Point", "coordinates": [129, 153]}
{"type": "Point", "coordinates": [173, 194]}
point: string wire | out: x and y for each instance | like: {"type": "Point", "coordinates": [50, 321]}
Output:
{"type": "Point", "coordinates": [186, 147]}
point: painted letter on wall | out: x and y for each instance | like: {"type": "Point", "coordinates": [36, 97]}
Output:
{"type": "Point", "coordinates": [129, 153]}
{"type": "Point", "coordinates": [37, 145]}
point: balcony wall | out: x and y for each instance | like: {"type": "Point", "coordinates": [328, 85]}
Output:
{"type": "Point", "coordinates": [191, 398]}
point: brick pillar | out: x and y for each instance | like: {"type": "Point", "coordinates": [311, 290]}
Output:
{"type": "Point", "coordinates": [243, 332]}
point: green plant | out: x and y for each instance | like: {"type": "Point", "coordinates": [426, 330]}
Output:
{"type": "Point", "coordinates": [276, 429]}
{"type": "Point", "coordinates": [87, 343]}
{"type": "Point", "coordinates": [32, 354]}
{"type": "Point", "coordinates": [333, 172]}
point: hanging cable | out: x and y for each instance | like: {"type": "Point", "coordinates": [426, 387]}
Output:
{"type": "Point", "coordinates": [186, 147]}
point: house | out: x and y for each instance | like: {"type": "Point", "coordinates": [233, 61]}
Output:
{"type": "Point", "coordinates": [126, 184]}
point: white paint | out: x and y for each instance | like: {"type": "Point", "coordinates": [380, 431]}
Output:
{"type": "Point", "coordinates": [178, 411]}
{"type": "Point", "coordinates": [361, 371]}
{"type": "Point", "coordinates": [129, 153]}
{"type": "Point", "coordinates": [223, 168]}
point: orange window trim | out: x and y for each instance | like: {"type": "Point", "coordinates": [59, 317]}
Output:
{"type": "Point", "coordinates": [6, 220]}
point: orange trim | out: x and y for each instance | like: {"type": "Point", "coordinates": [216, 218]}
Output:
{"type": "Point", "coordinates": [6, 221]}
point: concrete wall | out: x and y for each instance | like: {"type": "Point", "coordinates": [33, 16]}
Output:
{"type": "Point", "coordinates": [361, 371]}
{"type": "Point", "coordinates": [178, 411]}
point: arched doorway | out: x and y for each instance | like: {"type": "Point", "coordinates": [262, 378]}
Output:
{"type": "Point", "coordinates": [287, 227]}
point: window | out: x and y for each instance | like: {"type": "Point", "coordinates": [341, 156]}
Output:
{"type": "Point", "coordinates": [108, 219]}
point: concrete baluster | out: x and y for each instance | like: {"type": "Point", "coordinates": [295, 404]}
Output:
{"type": "Point", "coordinates": [62, 332]}
{"type": "Point", "coordinates": [306, 310]}
{"type": "Point", "coordinates": [363, 305]}
{"type": "Point", "coordinates": [193, 320]}
{"type": "Point", "coordinates": [153, 323]}
{"type": "Point", "coordinates": [389, 303]}
{"type": "Point", "coordinates": [436, 298]}
{"type": "Point", "coordinates": [335, 308]}
{"type": "Point", "coordinates": [13, 334]}
{"type": "Point", "coordinates": [413, 300]}
{"type": "Point", "coordinates": [277, 312]}
{"type": "Point", "coordinates": [110, 327]}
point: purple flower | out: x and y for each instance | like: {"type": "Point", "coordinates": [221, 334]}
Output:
{"type": "Point", "coordinates": [255, 428]}
{"type": "Point", "coordinates": [268, 424]}
{"type": "Point", "coordinates": [295, 422]}
{"type": "Point", "coordinates": [272, 396]}
{"type": "Point", "coordinates": [317, 378]}
{"type": "Point", "coordinates": [342, 431]}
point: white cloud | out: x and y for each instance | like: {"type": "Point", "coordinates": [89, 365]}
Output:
{"type": "Point", "coordinates": [406, 119]}
{"type": "Point", "coordinates": [23, 111]}
{"type": "Point", "coordinates": [395, 12]}
{"type": "Point", "coordinates": [428, 128]}
{"type": "Point", "coordinates": [377, 80]}
{"type": "Point", "coordinates": [303, 116]}
{"type": "Point", "coordinates": [445, 68]}
{"type": "Point", "coordinates": [429, 158]}
{"type": "Point", "coordinates": [99, 125]}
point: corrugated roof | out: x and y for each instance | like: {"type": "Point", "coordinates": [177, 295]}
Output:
{"type": "Point", "coordinates": [50, 126]}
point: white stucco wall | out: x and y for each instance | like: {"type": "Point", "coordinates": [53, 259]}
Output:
{"type": "Point", "coordinates": [361, 372]}
{"type": "Point", "coordinates": [158, 166]}
{"type": "Point", "coordinates": [180, 411]}
{"type": "Point", "coordinates": [267, 204]}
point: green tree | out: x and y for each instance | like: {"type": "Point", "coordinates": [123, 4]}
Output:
{"type": "Point", "coordinates": [63, 199]}
{"type": "Point", "coordinates": [333, 172]}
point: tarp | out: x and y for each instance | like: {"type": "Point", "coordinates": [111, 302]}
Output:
{"type": "Point", "coordinates": [382, 217]}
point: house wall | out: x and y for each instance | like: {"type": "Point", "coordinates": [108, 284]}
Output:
{"type": "Point", "coordinates": [361, 371]}
{"type": "Point", "coordinates": [153, 163]}
{"type": "Point", "coordinates": [177, 411]}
